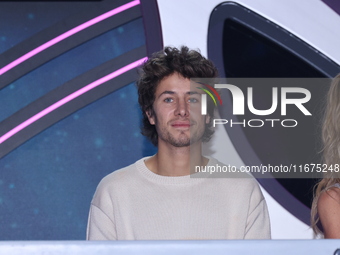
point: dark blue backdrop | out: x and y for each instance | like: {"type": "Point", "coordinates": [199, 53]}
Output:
{"type": "Point", "coordinates": [47, 183]}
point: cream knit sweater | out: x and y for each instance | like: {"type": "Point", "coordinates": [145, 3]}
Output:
{"type": "Point", "coordinates": [134, 203]}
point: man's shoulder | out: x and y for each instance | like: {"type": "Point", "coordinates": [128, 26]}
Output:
{"type": "Point", "coordinates": [117, 183]}
{"type": "Point", "coordinates": [121, 176]}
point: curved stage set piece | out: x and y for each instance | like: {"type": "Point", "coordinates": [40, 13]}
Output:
{"type": "Point", "coordinates": [69, 113]}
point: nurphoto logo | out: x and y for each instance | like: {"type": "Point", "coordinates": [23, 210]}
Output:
{"type": "Point", "coordinates": [239, 99]}
{"type": "Point", "coordinates": [204, 97]}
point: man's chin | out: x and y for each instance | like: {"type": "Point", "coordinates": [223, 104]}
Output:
{"type": "Point", "coordinates": [181, 141]}
{"type": "Point", "coordinates": [184, 143]}
{"type": "Point", "coordinates": [181, 145]}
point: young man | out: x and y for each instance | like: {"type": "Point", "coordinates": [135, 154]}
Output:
{"type": "Point", "coordinates": [156, 198]}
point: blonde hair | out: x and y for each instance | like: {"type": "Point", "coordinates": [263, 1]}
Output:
{"type": "Point", "coordinates": [331, 148]}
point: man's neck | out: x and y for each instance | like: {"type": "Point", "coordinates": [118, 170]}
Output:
{"type": "Point", "coordinates": [176, 161]}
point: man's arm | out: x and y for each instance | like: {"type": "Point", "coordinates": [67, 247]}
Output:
{"type": "Point", "coordinates": [101, 221]}
{"type": "Point", "coordinates": [100, 226]}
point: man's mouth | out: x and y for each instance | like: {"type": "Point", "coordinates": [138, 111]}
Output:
{"type": "Point", "coordinates": [181, 124]}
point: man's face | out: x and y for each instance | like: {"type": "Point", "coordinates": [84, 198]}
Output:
{"type": "Point", "coordinates": [177, 112]}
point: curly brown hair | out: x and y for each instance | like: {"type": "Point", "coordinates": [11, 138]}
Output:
{"type": "Point", "coordinates": [189, 64]}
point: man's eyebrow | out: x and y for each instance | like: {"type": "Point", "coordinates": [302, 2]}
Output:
{"type": "Point", "coordinates": [169, 92]}
{"type": "Point", "coordinates": [192, 92]}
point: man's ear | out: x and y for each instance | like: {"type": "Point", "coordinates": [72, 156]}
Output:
{"type": "Point", "coordinates": [151, 117]}
{"type": "Point", "coordinates": [207, 119]}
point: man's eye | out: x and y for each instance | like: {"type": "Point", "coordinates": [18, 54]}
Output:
{"type": "Point", "coordinates": [193, 100]}
{"type": "Point", "coordinates": [168, 100]}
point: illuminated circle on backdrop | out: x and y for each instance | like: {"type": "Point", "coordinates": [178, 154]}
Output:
{"type": "Point", "coordinates": [243, 44]}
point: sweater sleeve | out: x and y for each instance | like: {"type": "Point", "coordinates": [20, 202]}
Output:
{"type": "Point", "coordinates": [100, 226]}
{"type": "Point", "coordinates": [258, 224]}
{"type": "Point", "coordinates": [101, 222]}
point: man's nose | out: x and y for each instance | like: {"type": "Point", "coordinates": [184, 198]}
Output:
{"type": "Point", "coordinates": [182, 108]}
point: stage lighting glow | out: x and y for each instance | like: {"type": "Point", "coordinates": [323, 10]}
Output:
{"type": "Point", "coordinates": [68, 34]}
{"type": "Point", "coordinates": [71, 97]}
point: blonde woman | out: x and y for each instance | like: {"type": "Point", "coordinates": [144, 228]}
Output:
{"type": "Point", "coordinates": [325, 218]}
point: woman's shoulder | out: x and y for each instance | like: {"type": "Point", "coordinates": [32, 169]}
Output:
{"type": "Point", "coordinates": [329, 210]}
{"type": "Point", "coordinates": [330, 196]}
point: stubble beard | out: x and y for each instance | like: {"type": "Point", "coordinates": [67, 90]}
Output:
{"type": "Point", "coordinates": [183, 139]}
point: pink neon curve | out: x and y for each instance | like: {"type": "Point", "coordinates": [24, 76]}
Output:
{"type": "Point", "coordinates": [71, 97]}
{"type": "Point", "coordinates": [68, 34]}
